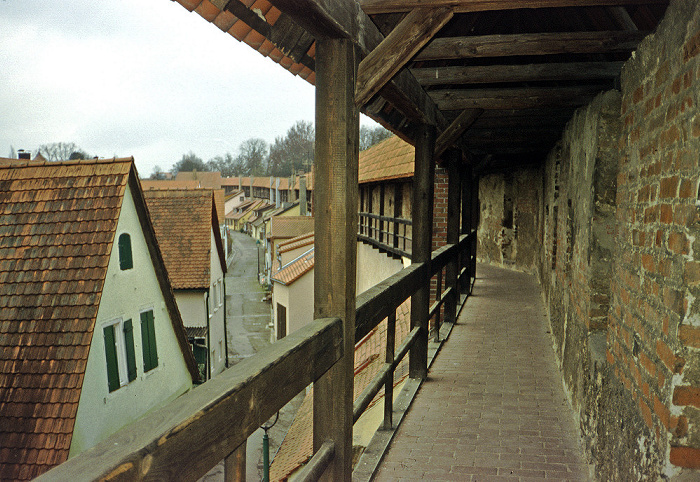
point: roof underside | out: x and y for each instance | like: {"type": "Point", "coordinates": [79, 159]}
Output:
{"type": "Point", "coordinates": [500, 79]}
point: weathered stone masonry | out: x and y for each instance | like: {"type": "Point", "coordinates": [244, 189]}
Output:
{"type": "Point", "coordinates": [615, 215]}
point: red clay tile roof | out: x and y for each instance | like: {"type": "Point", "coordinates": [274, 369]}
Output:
{"type": "Point", "coordinates": [150, 184]}
{"type": "Point", "coordinates": [57, 227]}
{"type": "Point", "coordinates": [297, 447]}
{"type": "Point", "coordinates": [284, 227]}
{"type": "Point", "coordinates": [296, 269]}
{"type": "Point", "coordinates": [298, 242]}
{"type": "Point", "coordinates": [257, 182]}
{"type": "Point", "coordinates": [207, 179]}
{"type": "Point", "coordinates": [182, 220]}
{"type": "Point", "coordinates": [392, 158]}
{"type": "Point", "coordinates": [309, 182]}
{"type": "Point", "coordinates": [238, 29]}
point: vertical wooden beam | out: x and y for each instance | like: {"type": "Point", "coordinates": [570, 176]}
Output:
{"type": "Point", "coordinates": [475, 223]}
{"type": "Point", "coordinates": [389, 358]}
{"type": "Point", "coordinates": [234, 465]}
{"type": "Point", "coordinates": [466, 179]}
{"type": "Point", "coordinates": [336, 194]}
{"type": "Point", "coordinates": [454, 158]}
{"type": "Point", "coordinates": [422, 214]}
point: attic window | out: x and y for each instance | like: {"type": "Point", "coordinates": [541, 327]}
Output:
{"type": "Point", "coordinates": [120, 354]}
{"type": "Point", "coordinates": [126, 261]}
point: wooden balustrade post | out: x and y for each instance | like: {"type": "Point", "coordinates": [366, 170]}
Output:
{"type": "Point", "coordinates": [422, 240]}
{"type": "Point", "coordinates": [335, 196]}
{"type": "Point", "coordinates": [466, 179]}
{"type": "Point", "coordinates": [475, 223]}
{"type": "Point", "coordinates": [234, 465]}
{"type": "Point", "coordinates": [454, 158]}
{"type": "Point", "coordinates": [389, 384]}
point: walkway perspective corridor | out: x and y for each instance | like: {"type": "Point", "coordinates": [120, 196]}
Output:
{"type": "Point", "coordinates": [493, 406]}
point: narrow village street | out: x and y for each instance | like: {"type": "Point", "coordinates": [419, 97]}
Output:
{"type": "Point", "coordinates": [247, 322]}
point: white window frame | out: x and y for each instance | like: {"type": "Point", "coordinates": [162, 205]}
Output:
{"type": "Point", "coordinates": [121, 350]}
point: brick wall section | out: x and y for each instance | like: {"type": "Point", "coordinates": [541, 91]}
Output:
{"type": "Point", "coordinates": [439, 227]}
{"type": "Point", "coordinates": [655, 317]}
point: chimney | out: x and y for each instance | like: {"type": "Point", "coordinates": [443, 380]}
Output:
{"type": "Point", "coordinates": [271, 193]}
{"type": "Point", "coordinates": [251, 187]}
{"type": "Point", "coordinates": [22, 154]}
{"type": "Point", "coordinates": [302, 195]}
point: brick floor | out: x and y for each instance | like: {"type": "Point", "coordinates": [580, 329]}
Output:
{"type": "Point", "coordinates": [493, 407]}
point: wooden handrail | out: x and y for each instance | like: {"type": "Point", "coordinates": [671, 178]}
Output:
{"type": "Point", "coordinates": [313, 470]}
{"type": "Point", "coordinates": [189, 436]}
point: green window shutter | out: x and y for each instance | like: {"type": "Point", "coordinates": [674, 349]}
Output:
{"type": "Point", "coordinates": [111, 355]}
{"type": "Point", "coordinates": [148, 340]}
{"type": "Point", "coordinates": [130, 352]}
{"type": "Point", "coordinates": [125, 259]}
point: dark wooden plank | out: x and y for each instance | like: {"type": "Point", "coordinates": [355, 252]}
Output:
{"type": "Point", "coordinates": [441, 256]}
{"type": "Point", "coordinates": [336, 190]}
{"type": "Point", "coordinates": [488, 74]}
{"type": "Point", "coordinates": [340, 18]}
{"type": "Point", "coordinates": [372, 7]}
{"type": "Point", "coordinates": [186, 438]}
{"type": "Point", "coordinates": [389, 382]}
{"type": "Point", "coordinates": [450, 135]}
{"type": "Point", "coordinates": [397, 48]}
{"type": "Point", "coordinates": [382, 299]}
{"type": "Point", "coordinates": [525, 98]}
{"type": "Point", "coordinates": [422, 210]}
{"type": "Point", "coordinates": [235, 465]}
{"type": "Point", "coordinates": [530, 44]}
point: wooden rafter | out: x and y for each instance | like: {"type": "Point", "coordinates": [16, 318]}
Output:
{"type": "Point", "coordinates": [372, 7]}
{"type": "Point", "coordinates": [530, 44]}
{"type": "Point", "coordinates": [463, 121]}
{"type": "Point", "coordinates": [513, 98]}
{"type": "Point", "coordinates": [488, 74]}
{"type": "Point", "coordinates": [407, 38]}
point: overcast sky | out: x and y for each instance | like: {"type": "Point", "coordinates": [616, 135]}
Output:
{"type": "Point", "coordinates": [142, 78]}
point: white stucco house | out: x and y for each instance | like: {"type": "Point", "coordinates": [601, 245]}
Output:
{"type": "Point", "coordinates": [186, 226]}
{"type": "Point", "coordinates": [90, 335]}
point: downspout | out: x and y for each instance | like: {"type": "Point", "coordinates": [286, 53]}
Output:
{"type": "Point", "coordinates": [208, 367]}
{"type": "Point", "coordinates": [225, 330]}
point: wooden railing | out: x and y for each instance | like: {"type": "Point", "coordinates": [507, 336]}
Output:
{"type": "Point", "coordinates": [188, 437]}
{"type": "Point", "coordinates": [392, 235]}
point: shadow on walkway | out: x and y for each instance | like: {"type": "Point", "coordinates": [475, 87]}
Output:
{"type": "Point", "coordinates": [493, 407]}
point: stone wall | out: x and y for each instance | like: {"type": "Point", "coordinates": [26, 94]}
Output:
{"type": "Point", "coordinates": [510, 232]}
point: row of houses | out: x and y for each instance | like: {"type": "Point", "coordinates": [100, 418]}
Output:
{"type": "Point", "coordinates": [112, 303]}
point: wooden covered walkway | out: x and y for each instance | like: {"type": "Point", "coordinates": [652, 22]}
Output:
{"type": "Point", "coordinates": [493, 406]}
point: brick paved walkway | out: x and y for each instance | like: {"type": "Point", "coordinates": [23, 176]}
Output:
{"type": "Point", "coordinates": [493, 407]}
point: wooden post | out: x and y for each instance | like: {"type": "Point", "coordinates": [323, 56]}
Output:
{"type": "Point", "coordinates": [466, 179]}
{"type": "Point", "coordinates": [454, 158]}
{"type": "Point", "coordinates": [335, 195]}
{"type": "Point", "coordinates": [475, 223]}
{"type": "Point", "coordinates": [422, 211]}
{"type": "Point", "coordinates": [234, 465]}
{"type": "Point", "coordinates": [389, 358]}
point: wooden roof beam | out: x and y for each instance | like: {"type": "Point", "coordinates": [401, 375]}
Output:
{"type": "Point", "coordinates": [341, 18]}
{"type": "Point", "coordinates": [531, 44]}
{"type": "Point", "coordinates": [514, 98]}
{"type": "Point", "coordinates": [463, 121]}
{"type": "Point", "coordinates": [517, 73]}
{"type": "Point", "coordinates": [372, 7]}
{"type": "Point", "coordinates": [404, 41]}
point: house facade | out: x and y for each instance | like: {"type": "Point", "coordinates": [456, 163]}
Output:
{"type": "Point", "coordinates": [185, 222]}
{"type": "Point", "coordinates": [91, 338]}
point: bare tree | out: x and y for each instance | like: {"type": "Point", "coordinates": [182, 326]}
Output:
{"type": "Point", "coordinates": [370, 136]}
{"type": "Point", "coordinates": [293, 152]}
{"type": "Point", "coordinates": [189, 162]}
{"type": "Point", "coordinates": [62, 151]}
{"type": "Point", "coordinates": [253, 156]}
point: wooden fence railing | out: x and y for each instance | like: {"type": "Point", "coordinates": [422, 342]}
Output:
{"type": "Point", "coordinates": [392, 235]}
{"type": "Point", "coordinates": [186, 438]}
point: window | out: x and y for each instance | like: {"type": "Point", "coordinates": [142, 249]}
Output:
{"type": "Point", "coordinates": [120, 354]}
{"type": "Point", "coordinates": [125, 259]}
{"type": "Point", "coordinates": [148, 341]}
{"type": "Point", "coordinates": [214, 297]}
{"type": "Point", "coordinates": [281, 321]}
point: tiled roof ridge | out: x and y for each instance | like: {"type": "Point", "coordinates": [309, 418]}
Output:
{"type": "Point", "coordinates": [295, 269]}
{"type": "Point", "coordinates": [70, 162]}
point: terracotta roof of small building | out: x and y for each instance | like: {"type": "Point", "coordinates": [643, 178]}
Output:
{"type": "Point", "coordinates": [57, 227]}
{"type": "Point", "coordinates": [183, 221]}
{"type": "Point", "coordinates": [150, 184]}
{"type": "Point", "coordinates": [393, 158]}
{"type": "Point", "coordinates": [294, 270]}
{"type": "Point", "coordinates": [285, 227]}
{"type": "Point", "coordinates": [208, 179]}
{"type": "Point", "coordinates": [309, 181]}
{"type": "Point", "coordinates": [297, 447]}
{"type": "Point", "coordinates": [298, 242]}
{"type": "Point", "coordinates": [259, 181]}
